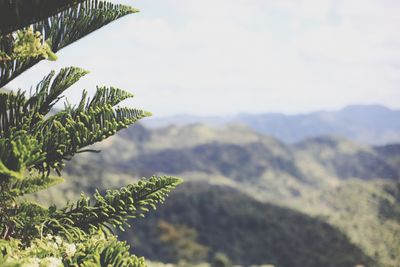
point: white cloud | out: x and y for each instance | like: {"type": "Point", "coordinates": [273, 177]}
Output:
{"type": "Point", "coordinates": [220, 56]}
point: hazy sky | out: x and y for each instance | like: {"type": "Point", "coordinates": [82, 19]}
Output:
{"type": "Point", "coordinates": [228, 56]}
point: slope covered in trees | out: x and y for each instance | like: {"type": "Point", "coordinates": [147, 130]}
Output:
{"type": "Point", "coordinates": [247, 231]}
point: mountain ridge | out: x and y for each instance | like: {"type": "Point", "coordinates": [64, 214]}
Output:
{"type": "Point", "coordinates": [370, 124]}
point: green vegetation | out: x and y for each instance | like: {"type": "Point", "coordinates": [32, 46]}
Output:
{"type": "Point", "coordinates": [250, 199]}
{"type": "Point", "coordinates": [247, 231]}
{"type": "Point", "coordinates": [180, 242]}
{"type": "Point", "coordinates": [296, 188]}
{"type": "Point", "coordinates": [368, 212]}
{"type": "Point", "coordinates": [35, 143]}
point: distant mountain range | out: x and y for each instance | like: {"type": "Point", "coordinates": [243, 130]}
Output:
{"type": "Point", "coordinates": [370, 124]}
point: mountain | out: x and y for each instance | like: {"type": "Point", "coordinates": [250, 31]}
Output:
{"type": "Point", "coordinates": [239, 156]}
{"type": "Point", "coordinates": [348, 192]}
{"type": "Point", "coordinates": [368, 212]}
{"type": "Point", "coordinates": [371, 124]}
{"type": "Point", "coordinates": [247, 231]}
{"type": "Point", "coordinates": [346, 159]}
{"type": "Point", "coordinates": [391, 153]}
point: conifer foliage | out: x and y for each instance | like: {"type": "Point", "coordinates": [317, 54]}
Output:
{"type": "Point", "coordinates": [35, 143]}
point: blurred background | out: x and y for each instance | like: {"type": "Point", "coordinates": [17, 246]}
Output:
{"type": "Point", "coordinates": [283, 118]}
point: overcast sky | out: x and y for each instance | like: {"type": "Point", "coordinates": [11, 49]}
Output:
{"type": "Point", "coordinates": [222, 57]}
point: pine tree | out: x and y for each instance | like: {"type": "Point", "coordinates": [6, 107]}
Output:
{"type": "Point", "coordinates": [35, 144]}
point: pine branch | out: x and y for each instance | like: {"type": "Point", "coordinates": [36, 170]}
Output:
{"type": "Point", "coordinates": [17, 112]}
{"type": "Point", "coordinates": [61, 136]}
{"type": "Point", "coordinates": [112, 96]}
{"type": "Point", "coordinates": [17, 154]}
{"type": "Point", "coordinates": [106, 252]}
{"type": "Point", "coordinates": [66, 133]}
{"type": "Point", "coordinates": [49, 91]}
{"type": "Point", "coordinates": [13, 112]}
{"type": "Point", "coordinates": [33, 144]}
{"type": "Point", "coordinates": [29, 220]}
{"type": "Point", "coordinates": [16, 14]}
{"type": "Point", "coordinates": [22, 221]}
{"type": "Point", "coordinates": [63, 29]}
{"type": "Point", "coordinates": [33, 184]}
{"type": "Point", "coordinates": [23, 45]}
{"type": "Point", "coordinates": [116, 206]}
{"type": "Point", "coordinates": [94, 250]}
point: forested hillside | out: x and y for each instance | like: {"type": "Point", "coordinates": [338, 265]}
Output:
{"type": "Point", "coordinates": [325, 201]}
{"type": "Point", "coordinates": [246, 230]}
